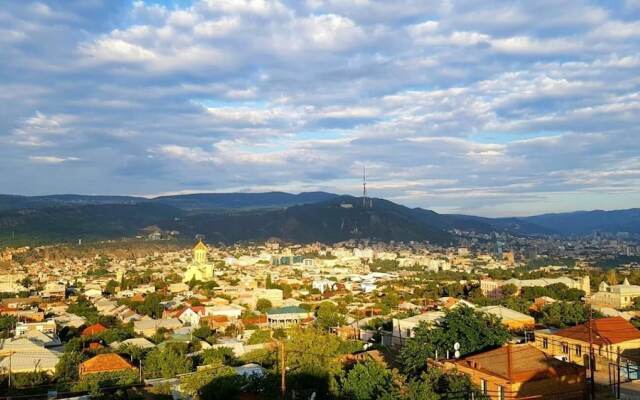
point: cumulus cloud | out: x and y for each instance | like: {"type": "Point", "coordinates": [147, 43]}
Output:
{"type": "Point", "coordinates": [459, 106]}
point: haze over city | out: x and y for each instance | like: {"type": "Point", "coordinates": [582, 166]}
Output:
{"type": "Point", "coordinates": [493, 109]}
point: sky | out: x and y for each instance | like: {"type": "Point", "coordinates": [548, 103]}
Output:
{"type": "Point", "coordinates": [474, 106]}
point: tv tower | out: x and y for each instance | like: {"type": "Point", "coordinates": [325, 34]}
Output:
{"type": "Point", "coordinates": [366, 202]}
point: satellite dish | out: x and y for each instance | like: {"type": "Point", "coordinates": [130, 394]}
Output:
{"type": "Point", "coordinates": [456, 346]}
{"type": "Point", "coordinates": [456, 354]}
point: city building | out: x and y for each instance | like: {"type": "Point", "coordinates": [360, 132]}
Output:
{"type": "Point", "coordinates": [200, 268]}
{"type": "Point", "coordinates": [521, 372]}
{"type": "Point", "coordinates": [615, 296]}
{"type": "Point", "coordinates": [609, 336]}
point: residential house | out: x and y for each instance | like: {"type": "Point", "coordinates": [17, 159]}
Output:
{"type": "Point", "coordinates": [513, 320]}
{"type": "Point", "coordinates": [32, 351]}
{"type": "Point", "coordinates": [287, 316]}
{"type": "Point", "coordinates": [608, 337]}
{"type": "Point", "coordinates": [93, 330]}
{"type": "Point", "coordinates": [142, 343]}
{"type": "Point", "coordinates": [148, 327]}
{"type": "Point", "coordinates": [47, 326]}
{"type": "Point", "coordinates": [109, 362]}
{"type": "Point", "coordinates": [231, 311]}
{"type": "Point", "coordinates": [521, 372]}
{"type": "Point", "coordinates": [404, 328]}
{"type": "Point", "coordinates": [323, 285]}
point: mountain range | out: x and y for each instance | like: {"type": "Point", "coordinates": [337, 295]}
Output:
{"type": "Point", "coordinates": [303, 217]}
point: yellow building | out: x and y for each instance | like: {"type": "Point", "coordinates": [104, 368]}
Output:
{"type": "Point", "coordinates": [200, 269]}
{"type": "Point", "coordinates": [615, 296]}
{"type": "Point", "coordinates": [521, 372]}
{"type": "Point", "coordinates": [608, 335]}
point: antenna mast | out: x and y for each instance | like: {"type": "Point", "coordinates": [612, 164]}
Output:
{"type": "Point", "coordinates": [364, 186]}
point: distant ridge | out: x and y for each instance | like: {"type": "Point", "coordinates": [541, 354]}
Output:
{"type": "Point", "coordinates": [198, 201]}
{"type": "Point", "coordinates": [304, 217]}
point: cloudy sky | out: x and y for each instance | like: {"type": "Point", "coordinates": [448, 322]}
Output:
{"type": "Point", "coordinates": [510, 108]}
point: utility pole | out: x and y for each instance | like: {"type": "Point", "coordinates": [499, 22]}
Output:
{"type": "Point", "coordinates": [618, 375]}
{"type": "Point", "coordinates": [591, 360]}
{"type": "Point", "coordinates": [283, 371]}
{"type": "Point", "coordinates": [10, 360]}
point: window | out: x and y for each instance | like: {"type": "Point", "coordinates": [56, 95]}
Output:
{"type": "Point", "coordinates": [545, 343]}
{"type": "Point", "coordinates": [500, 392]}
{"type": "Point", "coordinates": [565, 348]}
{"type": "Point", "coordinates": [483, 386]}
{"type": "Point", "coordinates": [578, 350]}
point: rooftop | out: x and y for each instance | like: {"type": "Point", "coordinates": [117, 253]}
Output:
{"type": "Point", "coordinates": [609, 330]}
{"type": "Point", "coordinates": [104, 363]}
{"type": "Point", "coordinates": [519, 363]}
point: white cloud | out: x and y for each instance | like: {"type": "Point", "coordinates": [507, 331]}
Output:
{"type": "Point", "coordinates": [452, 105]}
{"type": "Point", "coordinates": [51, 159]}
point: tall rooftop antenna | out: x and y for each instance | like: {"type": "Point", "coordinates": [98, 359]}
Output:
{"type": "Point", "coordinates": [365, 200]}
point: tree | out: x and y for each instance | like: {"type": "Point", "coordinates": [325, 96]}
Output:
{"type": "Point", "coordinates": [151, 306]}
{"type": "Point", "coordinates": [223, 355]}
{"type": "Point", "coordinates": [311, 357]}
{"type": "Point", "coordinates": [67, 367]}
{"type": "Point", "coordinates": [215, 382]}
{"type": "Point", "coordinates": [368, 380]}
{"type": "Point", "coordinates": [508, 290]}
{"type": "Point", "coordinates": [263, 305]}
{"type": "Point", "coordinates": [93, 383]}
{"type": "Point", "coordinates": [134, 352]}
{"type": "Point", "coordinates": [261, 336]}
{"type": "Point", "coordinates": [110, 288]}
{"type": "Point", "coordinates": [7, 322]}
{"type": "Point", "coordinates": [328, 316]}
{"type": "Point", "coordinates": [166, 363]}
{"type": "Point", "coordinates": [563, 314]}
{"type": "Point", "coordinates": [26, 282]}
{"type": "Point", "coordinates": [436, 384]}
{"type": "Point", "coordinates": [83, 308]}
{"type": "Point", "coordinates": [474, 330]}
{"type": "Point", "coordinates": [202, 332]}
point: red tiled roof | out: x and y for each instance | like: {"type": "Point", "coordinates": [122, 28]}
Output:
{"type": "Point", "coordinates": [519, 363]}
{"type": "Point", "coordinates": [108, 362]}
{"type": "Point", "coordinates": [260, 319]}
{"type": "Point", "coordinates": [93, 330]}
{"type": "Point", "coordinates": [604, 331]}
{"type": "Point", "coordinates": [95, 346]}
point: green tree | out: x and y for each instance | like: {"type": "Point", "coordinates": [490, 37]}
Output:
{"type": "Point", "coordinates": [474, 330]}
{"type": "Point", "coordinates": [110, 288]}
{"type": "Point", "coordinates": [263, 305]}
{"type": "Point", "coordinates": [7, 322]}
{"type": "Point", "coordinates": [223, 355]}
{"type": "Point", "coordinates": [508, 290]}
{"type": "Point", "coordinates": [436, 384]}
{"type": "Point", "coordinates": [261, 336]}
{"type": "Point", "coordinates": [562, 314]}
{"type": "Point", "coordinates": [67, 367]}
{"type": "Point", "coordinates": [83, 308]}
{"type": "Point", "coordinates": [94, 383]}
{"type": "Point", "coordinates": [328, 316]}
{"type": "Point", "coordinates": [214, 382]}
{"type": "Point", "coordinates": [166, 363]}
{"type": "Point", "coordinates": [311, 357]}
{"type": "Point", "coordinates": [135, 353]}
{"type": "Point", "coordinates": [368, 380]}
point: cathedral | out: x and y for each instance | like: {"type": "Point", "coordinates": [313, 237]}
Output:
{"type": "Point", "coordinates": [200, 269]}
